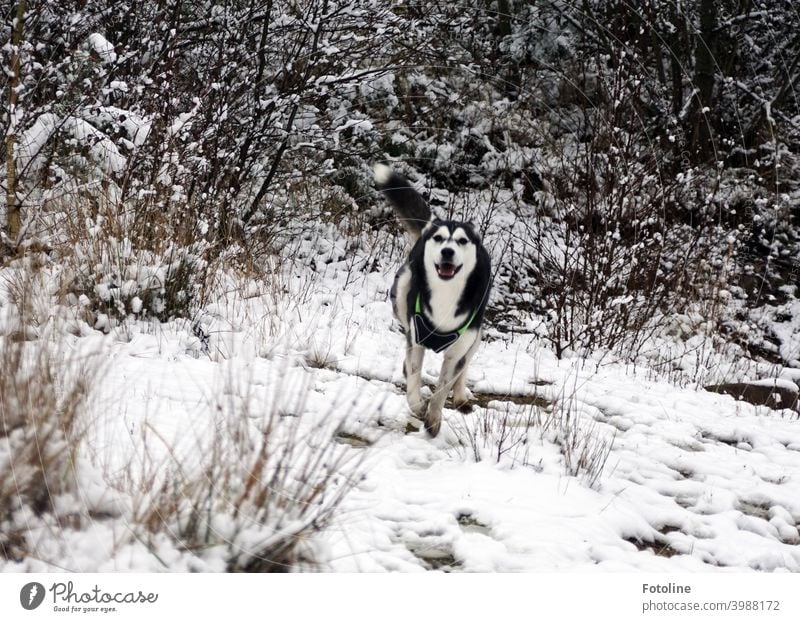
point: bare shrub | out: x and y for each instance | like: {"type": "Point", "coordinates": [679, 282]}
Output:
{"type": "Point", "coordinates": [619, 242]}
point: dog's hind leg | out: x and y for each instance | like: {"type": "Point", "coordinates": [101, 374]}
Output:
{"type": "Point", "coordinates": [460, 395]}
{"type": "Point", "coordinates": [412, 369]}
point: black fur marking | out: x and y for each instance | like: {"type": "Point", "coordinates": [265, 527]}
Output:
{"type": "Point", "coordinates": [460, 364]}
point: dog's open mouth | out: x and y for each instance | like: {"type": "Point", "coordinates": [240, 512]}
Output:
{"type": "Point", "coordinates": [447, 270]}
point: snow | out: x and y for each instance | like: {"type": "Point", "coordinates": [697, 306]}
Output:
{"type": "Point", "coordinates": [101, 148]}
{"type": "Point", "coordinates": [686, 481]}
{"type": "Point", "coordinates": [775, 382]}
{"type": "Point", "coordinates": [382, 173]}
{"type": "Point", "coordinates": [136, 127]}
{"type": "Point", "coordinates": [34, 138]}
{"type": "Point", "coordinates": [102, 47]}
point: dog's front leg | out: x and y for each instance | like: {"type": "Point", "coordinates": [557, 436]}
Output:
{"type": "Point", "coordinates": [447, 377]}
{"type": "Point", "coordinates": [433, 416]}
{"type": "Point", "coordinates": [454, 367]}
{"type": "Point", "coordinates": [413, 373]}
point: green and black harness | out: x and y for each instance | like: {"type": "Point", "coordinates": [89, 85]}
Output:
{"type": "Point", "coordinates": [426, 334]}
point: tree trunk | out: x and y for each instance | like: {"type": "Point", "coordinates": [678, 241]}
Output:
{"type": "Point", "coordinates": [704, 81]}
{"type": "Point", "coordinates": [13, 221]}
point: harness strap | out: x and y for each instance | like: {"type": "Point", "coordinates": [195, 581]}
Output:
{"type": "Point", "coordinates": [460, 331]}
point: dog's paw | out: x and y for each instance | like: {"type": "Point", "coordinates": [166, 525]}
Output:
{"type": "Point", "coordinates": [433, 422]}
{"type": "Point", "coordinates": [417, 407]}
{"type": "Point", "coordinates": [463, 407]}
{"type": "Point", "coordinates": [413, 425]}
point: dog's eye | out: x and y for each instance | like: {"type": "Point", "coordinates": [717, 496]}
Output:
{"type": "Point", "coordinates": [462, 241]}
{"type": "Point", "coordinates": [438, 238]}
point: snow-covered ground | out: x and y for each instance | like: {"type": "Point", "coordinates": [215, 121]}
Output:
{"type": "Point", "coordinates": [563, 465]}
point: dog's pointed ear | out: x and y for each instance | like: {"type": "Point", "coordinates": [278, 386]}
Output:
{"type": "Point", "coordinates": [432, 224]}
{"type": "Point", "coordinates": [471, 232]}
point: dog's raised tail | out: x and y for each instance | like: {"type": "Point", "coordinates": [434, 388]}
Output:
{"type": "Point", "coordinates": [411, 209]}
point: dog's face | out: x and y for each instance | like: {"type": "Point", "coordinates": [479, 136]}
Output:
{"type": "Point", "coordinates": [451, 248]}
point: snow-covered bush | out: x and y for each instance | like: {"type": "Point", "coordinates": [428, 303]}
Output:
{"type": "Point", "coordinates": [614, 243]}
{"type": "Point", "coordinates": [112, 264]}
{"type": "Point", "coordinates": [113, 281]}
{"type": "Point", "coordinates": [206, 117]}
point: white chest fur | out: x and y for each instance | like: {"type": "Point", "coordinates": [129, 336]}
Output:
{"type": "Point", "coordinates": [444, 301]}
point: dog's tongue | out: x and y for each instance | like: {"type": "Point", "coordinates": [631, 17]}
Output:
{"type": "Point", "coordinates": [446, 270]}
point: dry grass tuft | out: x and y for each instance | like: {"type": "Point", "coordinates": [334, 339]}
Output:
{"type": "Point", "coordinates": [40, 433]}
{"type": "Point", "coordinates": [255, 494]}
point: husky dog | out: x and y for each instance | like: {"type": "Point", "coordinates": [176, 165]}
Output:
{"type": "Point", "coordinates": [439, 296]}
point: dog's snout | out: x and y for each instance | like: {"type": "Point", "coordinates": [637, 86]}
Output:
{"type": "Point", "coordinates": [448, 253]}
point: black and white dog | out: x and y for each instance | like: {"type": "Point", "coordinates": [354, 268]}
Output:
{"type": "Point", "coordinates": [439, 296]}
